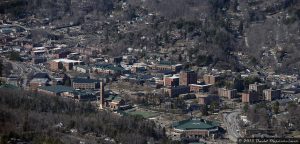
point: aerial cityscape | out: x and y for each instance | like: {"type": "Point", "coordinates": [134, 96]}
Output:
{"type": "Point", "coordinates": [149, 71]}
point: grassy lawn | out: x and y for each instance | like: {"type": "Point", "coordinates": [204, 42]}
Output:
{"type": "Point", "coordinates": [296, 134]}
{"type": "Point", "coordinates": [145, 114]}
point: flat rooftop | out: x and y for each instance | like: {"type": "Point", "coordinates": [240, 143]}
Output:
{"type": "Point", "coordinates": [194, 124]}
{"type": "Point", "coordinates": [67, 61]}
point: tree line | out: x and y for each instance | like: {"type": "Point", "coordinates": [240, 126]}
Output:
{"type": "Point", "coordinates": [43, 119]}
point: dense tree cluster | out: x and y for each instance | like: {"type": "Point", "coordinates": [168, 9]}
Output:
{"type": "Point", "coordinates": [262, 117]}
{"type": "Point", "coordinates": [40, 118]}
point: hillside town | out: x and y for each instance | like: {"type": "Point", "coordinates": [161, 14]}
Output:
{"type": "Point", "coordinates": [192, 104]}
{"type": "Point", "coordinates": [143, 71]}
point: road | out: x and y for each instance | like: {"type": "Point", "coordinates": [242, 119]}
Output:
{"type": "Point", "coordinates": [231, 122]}
{"type": "Point", "coordinates": [23, 69]}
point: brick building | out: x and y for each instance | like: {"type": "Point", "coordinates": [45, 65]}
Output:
{"type": "Point", "coordinates": [207, 99]}
{"type": "Point", "coordinates": [187, 77]}
{"type": "Point", "coordinates": [270, 94]}
{"type": "Point", "coordinates": [81, 83]}
{"type": "Point", "coordinates": [199, 88]}
{"type": "Point", "coordinates": [171, 81]}
{"type": "Point", "coordinates": [258, 87]}
{"type": "Point", "coordinates": [250, 97]}
{"type": "Point", "coordinates": [38, 82]}
{"type": "Point", "coordinates": [60, 64]}
{"type": "Point", "coordinates": [211, 79]}
{"type": "Point", "coordinates": [165, 65]}
{"type": "Point", "coordinates": [230, 94]}
{"type": "Point", "coordinates": [176, 91]}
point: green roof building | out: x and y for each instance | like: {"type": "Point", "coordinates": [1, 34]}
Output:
{"type": "Point", "coordinates": [55, 90]}
{"type": "Point", "coordinates": [195, 128]}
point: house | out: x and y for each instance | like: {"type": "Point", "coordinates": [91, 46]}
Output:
{"type": "Point", "coordinates": [114, 102]}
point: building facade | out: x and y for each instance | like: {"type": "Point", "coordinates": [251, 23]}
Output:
{"type": "Point", "coordinates": [66, 64]}
{"type": "Point", "coordinates": [171, 81]}
{"type": "Point", "coordinates": [210, 79]}
{"type": "Point", "coordinates": [270, 94]}
{"type": "Point", "coordinates": [230, 94]}
{"type": "Point", "coordinates": [205, 99]}
{"type": "Point", "coordinates": [194, 128]}
{"type": "Point", "coordinates": [250, 97]}
{"type": "Point", "coordinates": [187, 77]}
{"type": "Point", "coordinates": [199, 88]}
{"type": "Point", "coordinates": [258, 87]}
{"type": "Point", "coordinates": [176, 91]}
{"type": "Point", "coordinates": [82, 83]}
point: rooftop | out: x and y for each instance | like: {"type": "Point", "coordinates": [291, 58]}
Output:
{"type": "Point", "coordinates": [67, 61]}
{"type": "Point", "coordinates": [58, 89]}
{"type": "Point", "coordinates": [109, 67]}
{"type": "Point", "coordinates": [83, 80]}
{"type": "Point", "coordinates": [168, 63]}
{"type": "Point", "coordinates": [39, 80]}
{"type": "Point", "coordinates": [195, 123]}
{"type": "Point", "coordinates": [41, 75]}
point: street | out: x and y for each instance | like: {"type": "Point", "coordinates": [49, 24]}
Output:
{"type": "Point", "coordinates": [232, 124]}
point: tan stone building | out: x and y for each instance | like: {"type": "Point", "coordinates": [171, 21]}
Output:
{"type": "Point", "coordinates": [230, 94]}
{"type": "Point", "coordinates": [210, 79]}
{"type": "Point", "coordinates": [270, 94]}
{"type": "Point", "coordinates": [250, 97]}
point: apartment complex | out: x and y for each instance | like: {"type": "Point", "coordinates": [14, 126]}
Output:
{"type": "Point", "coordinates": [270, 94]}
{"type": "Point", "coordinates": [206, 99]}
{"type": "Point", "coordinates": [250, 97]}
{"type": "Point", "coordinates": [211, 79]}
{"type": "Point", "coordinates": [187, 77]}
{"type": "Point", "coordinates": [230, 94]}
{"type": "Point", "coordinates": [171, 81]}
{"type": "Point", "coordinates": [258, 87]}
